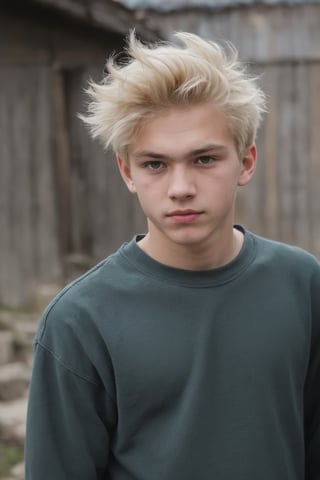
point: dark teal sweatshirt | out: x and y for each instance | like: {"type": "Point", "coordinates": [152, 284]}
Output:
{"type": "Point", "coordinates": [147, 372]}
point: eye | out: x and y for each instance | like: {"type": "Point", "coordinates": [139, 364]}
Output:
{"type": "Point", "coordinates": [154, 165]}
{"type": "Point", "coordinates": [205, 160]}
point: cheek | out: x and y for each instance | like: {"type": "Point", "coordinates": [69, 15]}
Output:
{"type": "Point", "coordinates": [147, 186]}
{"type": "Point", "coordinates": [145, 189]}
{"type": "Point", "coordinates": [223, 187]}
{"type": "Point", "coordinates": [146, 193]}
{"type": "Point", "coordinates": [225, 181]}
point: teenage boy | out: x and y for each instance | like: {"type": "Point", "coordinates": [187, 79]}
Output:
{"type": "Point", "coordinates": [193, 352]}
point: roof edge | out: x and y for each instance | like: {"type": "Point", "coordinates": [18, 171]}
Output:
{"type": "Point", "coordinates": [102, 14]}
{"type": "Point", "coordinates": [207, 5]}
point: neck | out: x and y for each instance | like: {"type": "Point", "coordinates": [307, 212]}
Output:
{"type": "Point", "coordinates": [220, 251]}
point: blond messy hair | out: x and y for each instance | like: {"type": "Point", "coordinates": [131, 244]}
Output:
{"type": "Point", "coordinates": [157, 77]}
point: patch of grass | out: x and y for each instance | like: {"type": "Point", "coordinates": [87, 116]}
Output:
{"type": "Point", "coordinates": [10, 455]}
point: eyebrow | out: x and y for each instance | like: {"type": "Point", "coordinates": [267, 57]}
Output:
{"type": "Point", "coordinates": [198, 151]}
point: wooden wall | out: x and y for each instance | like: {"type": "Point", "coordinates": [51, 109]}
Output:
{"type": "Point", "coordinates": [283, 201]}
{"type": "Point", "coordinates": [62, 202]}
{"type": "Point", "coordinates": [63, 205]}
{"type": "Point", "coordinates": [282, 43]}
{"type": "Point", "coordinates": [28, 239]}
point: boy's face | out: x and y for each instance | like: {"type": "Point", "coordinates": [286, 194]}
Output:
{"type": "Point", "coordinates": [184, 167]}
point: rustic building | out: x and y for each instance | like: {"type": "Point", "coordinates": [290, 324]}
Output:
{"type": "Point", "coordinates": [281, 39]}
{"type": "Point", "coordinates": [62, 203]}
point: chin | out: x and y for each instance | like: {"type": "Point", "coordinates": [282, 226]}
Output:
{"type": "Point", "coordinates": [187, 240]}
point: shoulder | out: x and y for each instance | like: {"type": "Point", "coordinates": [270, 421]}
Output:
{"type": "Point", "coordinates": [75, 315]}
{"type": "Point", "coordinates": [74, 298]}
{"type": "Point", "coordinates": [285, 255]}
{"type": "Point", "coordinates": [284, 265]}
{"type": "Point", "coordinates": [289, 272]}
{"type": "Point", "coordinates": [75, 326]}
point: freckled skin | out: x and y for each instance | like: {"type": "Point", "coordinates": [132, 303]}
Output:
{"type": "Point", "coordinates": [184, 167]}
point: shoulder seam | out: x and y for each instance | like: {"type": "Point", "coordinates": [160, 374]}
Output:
{"type": "Point", "coordinates": [69, 369]}
{"type": "Point", "coordinates": [64, 291]}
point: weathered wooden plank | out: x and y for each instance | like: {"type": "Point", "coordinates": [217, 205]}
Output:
{"type": "Point", "coordinates": [262, 33]}
{"type": "Point", "coordinates": [285, 143]}
{"type": "Point", "coordinates": [18, 254]}
{"type": "Point", "coordinates": [314, 158]}
{"type": "Point", "coordinates": [300, 158]}
{"type": "Point", "coordinates": [28, 236]}
{"type": "Point", "coordinates": [62, 156]}
{"type": "Point", "coordinates": [7, 269]}
{"type": "Point", "coordinates": [82, 162]}
{"type": "Point", "coordinates": [269, 153]}
{"type": "Point", "coordinates": [44, 212]}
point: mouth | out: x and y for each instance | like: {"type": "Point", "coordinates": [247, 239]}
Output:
{"type": "Point", "coordinates": [184, 216]}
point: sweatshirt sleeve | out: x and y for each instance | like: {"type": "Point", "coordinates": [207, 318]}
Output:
{"type": "Point", "coordinates": [312, 388]}
{"type": "Point", "coordinates": [71, 408]}
{"type": "Point", "coordinates": [68, 423]}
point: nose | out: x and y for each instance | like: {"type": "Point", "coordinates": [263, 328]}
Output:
{"type": "Point", "coordinates": [181, 183]}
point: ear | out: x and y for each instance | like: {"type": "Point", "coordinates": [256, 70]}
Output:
{"type": "Point", "coordinates": [248, 165]}
{"type": "Point", "coordinates": [124, 170]}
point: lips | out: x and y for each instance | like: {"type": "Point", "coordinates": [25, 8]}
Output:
{"type": "Point", "coordinates": [184, 216]}
{"type": "Point", "coordinates": [183, 212]}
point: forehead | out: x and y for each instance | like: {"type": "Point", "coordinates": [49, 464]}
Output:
{"type": "Point", "coordinates": [179, 131]}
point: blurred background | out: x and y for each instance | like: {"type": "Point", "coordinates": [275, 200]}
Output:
{"type": "Point", "coordinates": [63, 206]}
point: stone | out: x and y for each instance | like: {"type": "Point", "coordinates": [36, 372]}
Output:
{"type": "Point", "coordinates": [24, 333]}
{"type": "Point", "coordinates": [14, 380]}
{"type": "Point", "coordinates": [13, 419]}
{"type": "Point", "coordinates": [18, 471]}
{"type": "Point", "coordinates": [6, 346]}
{"type": "Point", "coordinates": [44, 294]}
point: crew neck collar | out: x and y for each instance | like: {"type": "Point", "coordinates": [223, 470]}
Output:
{"type": "Point", "coordinates": [194, 278]}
